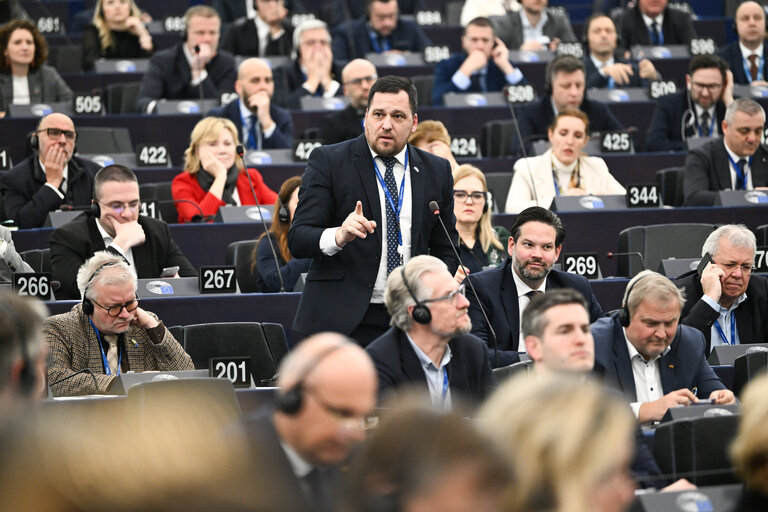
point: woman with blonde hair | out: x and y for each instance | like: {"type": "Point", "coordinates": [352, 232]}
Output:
{"type": "Point", "coordinates": [749, 450]}
{"type": "Point", "coordinates": [480, 244]}
{"type": "Point", "coordinates": [432, 137]}
{"type": "Point", "coordinates": [569, 443]}
{"type": "Point", "coordinates": [117, 32]}
{"type": "Point", "coordinates": [213, 176]}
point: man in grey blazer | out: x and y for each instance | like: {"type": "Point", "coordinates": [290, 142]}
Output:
{"type": "Point", "coordinates": [534, 27]}
{"type": "Point", "coordinates": [10, 260]}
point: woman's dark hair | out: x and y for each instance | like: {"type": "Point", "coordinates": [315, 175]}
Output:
{"type": "Point", "coordinates": [41, 47]}
{"type": "Point", "coordinates": [279, 228]}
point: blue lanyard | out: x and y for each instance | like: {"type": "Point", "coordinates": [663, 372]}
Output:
{"type": "Point", "coordinates": [389, 196]}
{"type": "Point", "coordinates": [742, 177]}
{"type": "Point", "coordinates": [557, 185]}
{"type": "Point", "coordinates": [375, 42]}
{"type": "Point", "coordinates": [733, 330]}
{"type": "Point", "coordinates": [107, 369]}
{"type": "Point", "coordinates": [711, 127]}
{"type": "Point", "coordinates": [760, 68]}
{"type": "Point", "coordinates": [250, 134]}
{"type": "Point", "coordinates": [446, 386]}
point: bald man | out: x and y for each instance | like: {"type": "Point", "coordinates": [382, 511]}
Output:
{"type": "Point", "coordinates": [746, 57]}
{"type": "Point", "coordinates": [50, 178]}
{"type": "Point", "coordinates": [327, 393]}
{"type": "Point", "coordinates": [357, 77]}
{"type": "Point", "coordinates": [260, 123]}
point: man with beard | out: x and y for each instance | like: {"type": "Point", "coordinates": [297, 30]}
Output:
{"type": "Point", "coordinates": [428, 346]}
{"type": "Point", "coordinates": [504, 292]}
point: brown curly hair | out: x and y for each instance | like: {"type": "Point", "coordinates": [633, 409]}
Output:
{"type": "Point", "coordinates": [41, 46]}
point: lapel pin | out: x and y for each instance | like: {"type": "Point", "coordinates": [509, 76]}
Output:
{"type": "Point", "coordinates": [671, 366]}
{"type": "Point", "coordinates": [417, 169]}
{"type": "Point", "coordinates": [135, 343]}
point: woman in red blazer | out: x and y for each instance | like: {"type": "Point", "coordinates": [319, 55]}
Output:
{"type": "Point", "coordinates": [213, 176]}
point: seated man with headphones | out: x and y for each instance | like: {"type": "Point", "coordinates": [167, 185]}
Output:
{"type": "Point", "coordinates": [114, 224]}
{"type": "Point", "coordinates": [646, 353]}
{"type": "Point", "coordinates": [327, 393]}
{"type": "Point", "coordinates": [429, 346]}
{"type": "Point", "coordinates": [51, 177]}
{"type": "Point", "coordinates": [107, 333]}
{"type": "Point", "coordinates": [22, 352]}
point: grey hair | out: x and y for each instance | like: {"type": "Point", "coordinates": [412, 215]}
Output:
{"type": "Point", "coordinates": [396, 295]}
{"type": "Point", "coordinates": [746, 105]}
{"type": "Point", "coordinates": [651, 285]}
{"type": "Point", "coordinates": [308, 25]}
{"type": "Point", "coordinates": [738, 235]}
{"type": "Point", "coordinates": [103, 267]}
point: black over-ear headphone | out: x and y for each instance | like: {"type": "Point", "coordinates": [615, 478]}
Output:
{"type": "Point", "coordinates": [87, 303]}
{"type": "Point", "coordinates": [290, 401]}
{"type": "Point", "coordinates": [421, 313]}
{"type": "Point", "coordinates": [623, 314]}
{"type": "Point", "coordinates": [283, 213]}
{"type": "Point", "coordinates": [27, 379]}
{"type": "Point", "coordinates": [34, 141]}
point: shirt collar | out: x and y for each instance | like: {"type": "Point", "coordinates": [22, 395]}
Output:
{"type": "Point", "coordinates": [599, 64]}
{"type": "Point", "coordinates": [400, 157]}
{"type": "Point", "coordinates": [300, 466]}
{"type": "Point", "coordinates": [560, 166]}
{"type": "Point", "coordinates": [245, 113]}
{"type": "Point", "coordinates": [527, 24]}
{"type": "Point", "coordinates": [523, 288]}
{"type": "Point", "coordinates": [187, 54]}
{"type": "Point", "coordinates": [741, 298]}
{"type": "Point", "coordinates": [104, 235]}
{"type": "Point", "coordinates": [648, 20]}
{"type": "Point", "coordinates": [733, 155]}
{"type": "Point", "coordinates": [64, 173]}
{"type": "Point", "coordinates": [633, 351]}
{"type": "Point", "coordinates": [424, 359]}
{"type": "Point", "coordinates": [700, 110]}
{"type": "Point", "coordinates": [746, 52]}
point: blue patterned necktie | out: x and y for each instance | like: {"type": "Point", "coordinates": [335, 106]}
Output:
{"type": "Point", "coordinates": [252, 137]}
{"type": "Point", "coordinates": [394, 259]}
{"type": "Point", "coordinates": [741, 180]}
{"type": "Point", "coordinates": [656, 38]}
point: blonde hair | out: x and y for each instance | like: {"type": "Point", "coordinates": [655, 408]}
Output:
{"type": "Point", "coordinates": [560, 436]}
{"type": "Point", "coordinates": [105, 33]}
{"type": "Point", "coordinates": [428, 131]}
{"type": "Point", "coordinates": [484, 230]}
{"type": "Point", "coordinates": [749, 450]}
{"type": "Point", "coordinates": [207, 129]}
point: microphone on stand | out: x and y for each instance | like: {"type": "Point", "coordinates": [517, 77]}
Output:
{"type": "Point", "coordinates": [200, 85]}
{"type": "Point", "coordinates": [610, 255]}
{"type": "Point", "coordinates": [240, 150]}
{"type": "Point", "coordinates": [435, 208]}
{"type": "Point", "coordinates": [202, 217]}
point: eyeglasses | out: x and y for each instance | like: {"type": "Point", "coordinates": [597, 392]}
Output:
{"type": "Point", "coordinates": [344, 419]}
{"type": "Point", "coordinates": [462, 195]}
{"type": "Point", "coordinates": [711, 87]}
{"type": "Point", "coordinates": [313, 42]}
{"type": "Point", "coordinates": [358, 81]}
{"type": "Point", "coordinates": [119, 208]}
{"type": "Point", "coordinates": [115, 310]}
{"type": "Point", "coordinates": [55, 133]}
{"type": "Point", "coordinates": [451, 296]}
{"type": "Point", "coordinates": [745, 268]}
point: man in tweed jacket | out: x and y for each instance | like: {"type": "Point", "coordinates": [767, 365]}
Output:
{"type": "Point", "coordinates": [107, 333]}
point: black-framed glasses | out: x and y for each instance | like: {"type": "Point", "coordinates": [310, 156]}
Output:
{"type": "Point", "coordinates": [462, 195]}
{"type": "Point", "coordinates": [746, 268]}
{"type": "Point", "coordinates": [55, 133]}
{"type": "Point", "coordinates": [119, 208]}
{"type": "Point", "coordinates": [115, 310]}
{"type": "Point", "coordinates": [358, 81]}
{"type": "Point", "coordinates": [711, 87]}
{"type": "Point", "coordinates": [344, 419]}
{"type": "Point", "coordinates": [451, 296]}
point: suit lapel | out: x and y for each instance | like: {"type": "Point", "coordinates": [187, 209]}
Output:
{"type": "Point", "coordinates": [623, 362]}
{"type": "Point", "coordinates": [723, 167]}
{"type": "Point", "coordinates": [409, 362]}
{"type": "Point", "coordinates": [367, 174]}
{"type": "Point", "coordinates": [759, 168]}
{"type": "Point", "coordinates": [508, 297]}
{"type": "Point", "coordinates": [668, 366]}
{"type": "Point", "coordinates": [417, 196]}
{"type": "Point", "coordinates": [133, 352]}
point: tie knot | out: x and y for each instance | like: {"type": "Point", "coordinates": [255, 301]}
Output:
{"type": "Point", "coordinates": [531, 294]}
{"type": "Point", "coordinates": [752, 58]}
{"type": "Point", "coordinates": [389, 161]}
{"type": "Point", "coordinates": [741, 163]}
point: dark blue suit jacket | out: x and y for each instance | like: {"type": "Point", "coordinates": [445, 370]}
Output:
{"type": "Point", "coordinates": [731, 53]}
{"type": "Point", "coordinates": [677, 28]}
{"type": "Point", "coordinates": [351, 40]}
{"type": "Point", "coordinates": [281, 138]}
{"type": "Point", "coordinates": [398, 366]}
{"type": "Point", "coordinates": [665, 133]}
{"type": "Point", "coordinates": [497, 293]}
{"type": "Point", "coordinates": [597, 81]}
{"type": "Point", "coordinates": [445, 69]}
{"type": "Point", "coordinates": [339, 287]}
{"type": "Point", "coordinates": [684, 366]}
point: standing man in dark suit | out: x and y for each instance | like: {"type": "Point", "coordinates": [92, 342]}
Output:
{"type": "Point", "coordinates": [536, 239]}
{"type": "Point", "coordinates": [652, 22]}
{"type": "Point", "coordinates": [260, 123]}
{"type": "Point", "coordinates": [192, 69]}
{"type": "Point", "coordinates": [429, 346]}
{"type": "Point", "coordinates": [647, 355]}
{"type": "Point", "coordinates": [695, 112]}
{"type": "Point", "coordinates": [357, 77]}
{"type": "Point", "coordinates": [534, 28]}
{"type": "Point", "coordinates": [266, 34]}
{"type": "Point", "coordinates": [327, 393]}
{"type": "Point", "coordinates": [483, 65]}
{"type": "Point", "coordinates": [364, 210]}
{"type": "Point", "coordinates": [51, 177]}
{"type": "Point", "coordinates": [381, 31]}
{"type": "Point", "coordinates": [727, 303]}
{"type": "Point", "coordinates": [746, 57]}
{"type": "Point", "coordinates": [737, 161]}
{"type": "Point", "coordinates": [114, 224]}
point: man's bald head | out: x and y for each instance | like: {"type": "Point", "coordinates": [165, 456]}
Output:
{"type": "Point", "coordinates": [358, 76]}
{"type": "Point", "coordinates": [62, 134]}
{"type": "Point", "coordinates": [254, 75]}
{"type": "Point", "coordinates": [750, 24]}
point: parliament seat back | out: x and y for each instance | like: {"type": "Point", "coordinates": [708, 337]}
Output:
{"type": "Point", "coordinates": [657, 242]}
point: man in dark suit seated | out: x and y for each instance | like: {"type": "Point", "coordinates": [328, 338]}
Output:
{"type": "Point", "coordinates": [364, 209]}
{"type": "Point", "coordinates": [605, 69]}
{"type": "Point", "coordinates": [381, 31]}
{"type": "Point", "coordinates": [565, 87]}
{"type": "Point", "coordinates": [746, 57]}
{"type": "Point", "coordinates": [327, 394]}
{"type": "Point", "coordinates": [726, 302]}
{"type": "Point", "coordinates": [503, 293]}
{"type": "Point", "coordinates": [653, 22]}
{"type": "Point", "coordinates": [534, 28]}
{"type": "Point", "coordinates": [260, 123]}
{"type": "Point", "coordinates": [646, 354]}
{"type": "Point", "coordinates": [51, 177]}
{"type": "Point", "coordinates": [114, 224]}
{"type": "Point", "coordinates": [483, 65]}
{"type": "Point", "coordinates": [736, 161]}
{"type": "Point", "coordinates": [357, 77]}
{"type": "Point", "coordinates": [313, 72]}
{"type": "Point", "coordinates": [192, 69]}
{"type": "Point", "coordinates": [266, 34]}
{"type": "Point", "coordinates": [695, 112]}
{"type": "Point", "coordinates": [428, 346]}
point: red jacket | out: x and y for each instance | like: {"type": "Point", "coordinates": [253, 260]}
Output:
{"type": "Point", "coordinates": [185, 186]}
